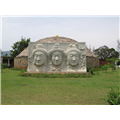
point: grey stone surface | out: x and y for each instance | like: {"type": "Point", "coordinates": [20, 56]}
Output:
{"type": "Point", "coordinates": [57, 57]}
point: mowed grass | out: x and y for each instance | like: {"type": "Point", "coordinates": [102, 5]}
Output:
{"type": "Point", "coordinates": [18, 90]}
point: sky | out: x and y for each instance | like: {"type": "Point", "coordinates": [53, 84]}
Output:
{"type": "Point", "coordinates": [94, 30]}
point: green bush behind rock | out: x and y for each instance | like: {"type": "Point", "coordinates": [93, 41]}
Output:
{"type": "Point", "coordinates": [57, 75]}
{"type": "Point", "coordinates": [4, 65]}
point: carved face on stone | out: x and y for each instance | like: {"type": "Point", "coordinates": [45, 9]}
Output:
{"type": "Point", "coordinates": [56, 58]}
{"type": "Point", "coordinates": [39, 58]}
{"type": "Point", "coordinates": [73, 58]}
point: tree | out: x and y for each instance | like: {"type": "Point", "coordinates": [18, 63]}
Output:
{"type": "Point", "coordinates": [113, 63]}
{"type": "Point", "coordinates": [104, 53]}
{"type": "Point", "coordinates": [105, 67]}
{"type": "Point", "coordinates": [19, 46]}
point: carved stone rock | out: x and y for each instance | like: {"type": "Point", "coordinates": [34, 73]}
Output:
{"type": "Point", "coordinates": [56, 57]}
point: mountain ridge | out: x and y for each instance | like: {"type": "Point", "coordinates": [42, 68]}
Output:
{"type": "Point", "coordinates": [5, 52]}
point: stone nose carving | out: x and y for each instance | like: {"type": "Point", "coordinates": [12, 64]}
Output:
{"type": "Point", "coordinates": [56, 58]}
{"type": "Point", "coordinates": [74, 58]}
{"type": "Point", "coordinates": [38, 58]}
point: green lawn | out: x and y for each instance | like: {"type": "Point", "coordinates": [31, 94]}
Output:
{"type": "Point", "coordinates": [18, 90]}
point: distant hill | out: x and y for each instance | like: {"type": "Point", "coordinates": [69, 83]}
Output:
{"type": "Point", "coordinates": [4, 52]}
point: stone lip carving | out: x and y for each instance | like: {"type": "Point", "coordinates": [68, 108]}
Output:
{"type": "Point", "coordinates": [38, 58]}
{"type": "Point", "coordinates": [57, 58]}
{"type": "Point", "coordinates": [73, 56]}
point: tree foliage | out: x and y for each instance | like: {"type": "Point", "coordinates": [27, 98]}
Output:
{"type": "Point", "coordinates": [19, 46]}
{"type": "Point", "coordinates": [104, 53]}
{"type": "Point", "coordinates": [105, 67]}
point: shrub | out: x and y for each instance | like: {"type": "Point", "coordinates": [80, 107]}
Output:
{"type": "Point", "coordinates": [23, 70]}
{"type": "Point", "coordinates": [113, 97]}
{"type": "Point", "coordinates": [29, 75]}
{"type": "Point", "coordinates": [51, 75]}
{"type": "Point", "coordinates": [37, 75]}
{"type": "Point", "coordinates": [4, 65]}
{"type": "Point", "coordinates": [44, 75]}
{"type": "Point", "coordinates": [76, 75]}
{"type": "Point", "coordinates": [33, 75]}
{"type": "Point", "coordinates": [88, 68]}
{"type": "Point", "coordinates": [59, 75]}
{"type": "Point", "coordinates": [91, 71]}
{"type": "Point", "coordinates": [15, 69]}
{"type": "Point", "coordinates": [88, 75]}
{"type": "Point", "coordinates": [84, 75]}
{"type": "Point", "coordinates": [113, 68]}
{"type": "Point", "coordinates": [66, 75]}
{"type": "Point", "coordinates": [69, 75]}
{"type": "Point", "coordinates": [81, 75]}
{"type": "Point", "coordinates": [25, 74]}
{"type": "Point", "coordinates": [105, 67]}
{"type": "Point", "coordinates": [98, 68]}
{"type": "Point", "coordinates": [22, 74]}
{"type": "Point", "coordinates": [109, 65]}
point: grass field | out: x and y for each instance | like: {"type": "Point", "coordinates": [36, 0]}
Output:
{"type": "Point", "coordinates": [18, 90]}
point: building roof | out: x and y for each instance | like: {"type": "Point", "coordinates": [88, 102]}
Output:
{"type": "Point", "coordinates": [90, 53]}
{"type": "Point", "coordinates": [54, 40]}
